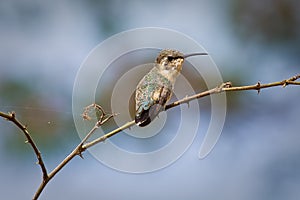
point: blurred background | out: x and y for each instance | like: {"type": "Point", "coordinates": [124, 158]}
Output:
{"type": "Point", "coordinates": [43, 43]}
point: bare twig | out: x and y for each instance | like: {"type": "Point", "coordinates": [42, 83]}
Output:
{"type": "Point", "coordinates": [226, 87]}
{"type": "Point", "coordinates": [79, 149]}
{"type": "Point", "coordinates": [12, 117]}
{"type": "Point", "coordinates": [103, 117]}
{"type": "Point", "coordinates": [108, 135]}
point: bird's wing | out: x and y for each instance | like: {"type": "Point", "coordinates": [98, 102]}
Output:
{"type": "Point", "coordinates": [149, 106]}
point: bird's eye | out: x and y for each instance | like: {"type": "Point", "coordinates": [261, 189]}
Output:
{"type": "Point", "coordinates": [170, 58]}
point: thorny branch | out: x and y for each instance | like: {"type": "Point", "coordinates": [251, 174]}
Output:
{"type": "Point", "coordinates": [227, 86]}
{"type": "Point", "coordinates": [104, 117]}
{"type": "Point", "coordinates": [12, 117]}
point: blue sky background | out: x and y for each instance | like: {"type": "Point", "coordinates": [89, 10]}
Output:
{"type": "Point", "coordinates": [42, 45]}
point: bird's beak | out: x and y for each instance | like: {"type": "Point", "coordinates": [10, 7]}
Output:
{"type": "Point", "coordinates": [194, 54]}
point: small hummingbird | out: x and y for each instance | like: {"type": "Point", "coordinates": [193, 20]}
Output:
{"type": "Point", "coordinates": [155, 88]}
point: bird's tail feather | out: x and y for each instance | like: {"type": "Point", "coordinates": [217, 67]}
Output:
{"type": "Point", "coordinates": [146, 116]}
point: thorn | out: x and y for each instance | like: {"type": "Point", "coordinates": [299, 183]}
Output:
{"type": "Point", "coordinates": [115, 114]}
{"type": "Point", "coordinates": [258, 87]}
{"type": "Point", "coordinates": [188, 103]}
{"type": "Point", "coordinates": [13, 114]}
{"type": "Point", "coordinates": [80, 155]}
{"type": "Point", "coordinates": [284, 83]}
{"type": "Point", "coordinates": [26, 141]}
{"type": "Point", "coordinates": [104, 140]}
{"type": "Point", "coordinates": [227, 84]}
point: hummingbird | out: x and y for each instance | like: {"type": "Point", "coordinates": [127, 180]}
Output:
{"type": "Point", "coordinates": [155, 88]}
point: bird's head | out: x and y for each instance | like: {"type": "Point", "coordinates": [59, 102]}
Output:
{"type": "Point", "coordinates": [172, 60]}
